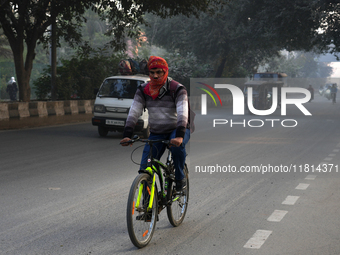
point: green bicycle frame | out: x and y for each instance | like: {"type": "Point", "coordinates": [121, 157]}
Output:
{"type": "Point", "coordinates": [151, 171]}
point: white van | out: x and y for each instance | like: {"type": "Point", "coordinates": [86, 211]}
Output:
{"type": "Point", "coordinates": [113, 102]}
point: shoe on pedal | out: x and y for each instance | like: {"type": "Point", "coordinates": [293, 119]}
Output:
{"type": "Point", "coordinates": [180, 185]}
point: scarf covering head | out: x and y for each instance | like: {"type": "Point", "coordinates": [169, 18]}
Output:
{"type": "Point", "coordinates": [153, 87]}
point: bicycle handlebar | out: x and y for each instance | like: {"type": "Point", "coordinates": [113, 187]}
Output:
{"type": "Point", "coordinates": [137, 139]}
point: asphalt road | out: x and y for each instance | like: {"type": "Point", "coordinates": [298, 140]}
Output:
{"type": "Point", "coordinates": [63, 189]}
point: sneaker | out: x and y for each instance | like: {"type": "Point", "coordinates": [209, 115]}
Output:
{"type": "Point", "coordinates": [180, 185]}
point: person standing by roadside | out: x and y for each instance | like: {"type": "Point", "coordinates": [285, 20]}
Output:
{"type": "Point", "coordinates": [12, 89]}
{"type": "Point", "coordinates": [334, 90]}
{"type": "Point", "coordinates": [311, 90]}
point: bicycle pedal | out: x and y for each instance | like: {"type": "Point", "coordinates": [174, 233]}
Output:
{"type": "Point", "coordinates": [146, 218]}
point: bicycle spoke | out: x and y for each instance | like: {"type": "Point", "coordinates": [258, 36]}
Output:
{"type": "Point", "coordinates": [141, 221]}
{"type": "Point", "coordinates": [179, 203]}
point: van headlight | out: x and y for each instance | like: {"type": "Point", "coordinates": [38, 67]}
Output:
{"type": "Point", "coordinates": [99, 108]}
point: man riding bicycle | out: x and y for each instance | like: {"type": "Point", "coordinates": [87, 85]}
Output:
{"type": "Point", "coordinates": [168, 116]}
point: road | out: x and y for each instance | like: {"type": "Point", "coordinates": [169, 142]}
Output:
{"type": "Point", "coordinates": [64, 190]}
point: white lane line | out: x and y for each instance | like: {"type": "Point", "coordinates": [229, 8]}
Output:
{"type": "Point", "coordinates": [336, 150]}
{"type": "Point", "coordinates": [258, 239]}
{"type": "Point", "coordinates": [290, 200]}
{"type": "Point", "coordinates": [331, 155]}
{"type": "Point", "coordinates": [277, 216]}
{"type": "Point", "coordinates": [302, 186]}
{"type": "Point", "coordinates": [310, 177]}
{"type": "Point", "coordinates": [328, 159]}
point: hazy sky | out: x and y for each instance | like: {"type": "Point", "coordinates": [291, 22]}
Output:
{"type": "Point", "coordinates": [336, 69]}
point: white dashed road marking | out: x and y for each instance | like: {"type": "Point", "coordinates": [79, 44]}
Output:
{"type": "Point", "coordinates": [336, 150]}
{"type": "Point", "coordinates": [302, 186]}
{"type": "Point", "coordinates": [328, 159]}
{"type": "Point", "coordinates": [258, 239]}
{"type": "Point", "coordinates": [277, 216]}
{"type": "Point", "coordinates": [290, 200]}
{"type": "Point", "coordinates": [310, 177]}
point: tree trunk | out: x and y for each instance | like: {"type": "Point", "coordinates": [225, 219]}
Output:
{"type": "Point", "coordinates": [53, 58]}
{"type": "Point", "coordinates": [23, 75]}
{"type": "Point", "coordinates": [220, 68]}
{"type": "Point", "coordinates": [23, 69]}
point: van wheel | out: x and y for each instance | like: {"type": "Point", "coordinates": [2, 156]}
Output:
{"type": "Point", "coordinates": [146, 132]}
{"type": "Point", "coordinates": [102, 131]}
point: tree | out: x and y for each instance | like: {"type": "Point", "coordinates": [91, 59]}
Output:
{"type": "Point", "coordinates": [5, 52]}
{"type": "Point", "coordinates": [26, 23]}
{"type": "Point", "coordinates": [246, 32]}
{"type": "Point", "coordinates": [213, 37]}
{"type": "Point", "coordinates": [295, 24]}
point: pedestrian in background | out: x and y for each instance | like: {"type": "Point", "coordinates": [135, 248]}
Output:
{"type": "Point", "coordinates": [12, 89]}
{"type": "Point", "coordinates": [311, 90]}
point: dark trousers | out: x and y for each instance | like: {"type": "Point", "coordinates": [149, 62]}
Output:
{"type": "Point", "coordinates": [178, 153]}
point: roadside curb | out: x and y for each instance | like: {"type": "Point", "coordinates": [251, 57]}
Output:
{"type": "Point", "coordinates": [16, 115]}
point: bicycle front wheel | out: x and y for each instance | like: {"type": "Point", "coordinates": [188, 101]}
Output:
{"type": "Point", "coordinates": [178, 202]}
{"type": "Point", "coordinates": [141, 219]}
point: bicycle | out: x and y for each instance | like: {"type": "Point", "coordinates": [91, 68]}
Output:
{"type": "Point", "coordinates": [145, 202]}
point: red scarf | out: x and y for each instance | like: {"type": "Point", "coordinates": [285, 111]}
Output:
{"type": "Point", "coordinates": [153, 87]}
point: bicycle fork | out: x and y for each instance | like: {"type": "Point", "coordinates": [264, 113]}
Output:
{"type": "Point", "coordinates": [151, 193]}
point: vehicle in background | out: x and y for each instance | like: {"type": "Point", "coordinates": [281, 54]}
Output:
{"type": "Point", "coordinates": [262, 85]}
{"type": "Point", "coordinates": [326, 92]}
{"type": "Point", "coordinates": [113, 101]}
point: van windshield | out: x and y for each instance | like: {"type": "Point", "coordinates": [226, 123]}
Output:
{"type": "Point", "coordinates": [120, 88]}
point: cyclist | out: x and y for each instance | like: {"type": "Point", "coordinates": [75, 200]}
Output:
{"type": "Point", "coordinates": [334, 90]}
{"type": "Point", "coordinates": [168, 117]}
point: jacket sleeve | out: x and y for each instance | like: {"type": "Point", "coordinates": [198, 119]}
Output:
{"type": "Point", "coordinates": [182, 109]}
{"type": "Point", "coordinates": [136, 109]}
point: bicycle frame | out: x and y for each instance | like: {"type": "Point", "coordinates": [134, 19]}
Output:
{"type": "Point", "coordinates": [156, 166]}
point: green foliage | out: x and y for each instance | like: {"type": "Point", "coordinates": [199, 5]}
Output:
{"type": "Point", "coordinates": [6, 72]}
{"type": "Point", "coordinates": [240, 35]}
{"type": "Point", "coordinates": [27, 22]}
{"type": "Point", "coordinates": [306, 25]}
{"type": "Point", "coordinates": [182, 68]}
{"type": "Point", "coordinates": [5, 51]}
{"type": "Point", "coordinates": [79, 76]}
{"type": "Point", "coordinates": [215, 38]}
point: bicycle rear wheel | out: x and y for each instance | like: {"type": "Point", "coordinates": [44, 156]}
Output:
{"type": "Point", "coordinates": [179, 202]}
{"type": "Point", "coordinates": [141, 222]}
